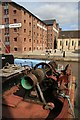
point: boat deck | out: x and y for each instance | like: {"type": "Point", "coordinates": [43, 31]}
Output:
{"type": "Point", "coordinates": [11, 71]}
{"type": "Point", "coordinates": [16, 106]}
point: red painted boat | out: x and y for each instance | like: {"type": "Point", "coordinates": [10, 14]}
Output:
{"type": "Point", "coordinates": [41, 92]}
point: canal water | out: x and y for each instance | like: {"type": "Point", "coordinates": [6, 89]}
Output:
{"type": "Point", "coordinates": [75, 70]}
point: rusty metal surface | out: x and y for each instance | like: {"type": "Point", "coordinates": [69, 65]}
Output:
{"type": "Point", "coordinates": [12, 100]}
{"type": "Point", "coordinates": [30, 110]}
{"type": "Point", "coordinates": [64, 113]}
{"type": "Point", "coordinates": [39, 73]}
{"type": "Point", "coordinates": [25, 110]}
{"type": "Point", "coordinates": [16, 107]}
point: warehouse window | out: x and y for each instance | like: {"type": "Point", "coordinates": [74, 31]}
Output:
{"type": "Point", "coordinates": [7, 20]}
{"type": "Point", "coordinates": [29, 40]}
{"type": "Point", "coordinates": [29, 48]}
{"type": "Point", "coordinates": [25, 49]}
{"type": "Point", "coordinates": [15, 39]}
{"type": "Point", "coordinates": [72, 43]}
{"type": "Point", "coordinates": [6, 39]}
{"type": "Point", "coordinates": [66, 43]}
{"type": "Point", "coordinates": [15, 20]}
{"type": "Point", "coordinates": [60, 43]}
{"type": "Point", "coordinates": [15, 49]}
{"type": "Point", "coordinates": [14, 11]}
{"type": "Point", "coordinates": [6, 31]}
{"type": "Point", "coordinates": [78, 43]}
{"type": "Point", "coordinates": [34, 41]}
{"type": "Point", "coordinates": [24, 30]}
{"type": "Point", "coordinates": [24, 39]}
{"type": "Point", "coordinates": [6, 11]}
{"type": "Point", "coordinates": [29, 24]}
{"type": "Point", "coordinates": [15, 29]}
{"type": "Point", "coordinates": [29, 32]}
{"type": "Point", "coordinates": [5, 3]}
{"type": "Point", "coordinates": [29, 16]}
{"type": "Point", "coordinates": [24, 21]}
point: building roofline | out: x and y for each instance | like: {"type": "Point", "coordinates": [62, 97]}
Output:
{"type": "Point", "coordinates": [70, 30]}
{"type": "Point", "coordinates": [21, 7]}
{"type": "Point", "coordinates": [69, 34]}
{"type": "Point", "coordinates": [50, 22]}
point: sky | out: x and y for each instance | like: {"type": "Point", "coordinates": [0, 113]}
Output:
{"type": "Point", "coordinates": [65, 13]}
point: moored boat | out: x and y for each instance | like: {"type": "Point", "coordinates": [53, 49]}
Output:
{"type": "Point", "coordinates": [38, 92]}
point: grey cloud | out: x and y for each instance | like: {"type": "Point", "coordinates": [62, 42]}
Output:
{"type": "Point", "coordinates": [47, 0]}
{"type": "Point", "coordinates": [66, 14]}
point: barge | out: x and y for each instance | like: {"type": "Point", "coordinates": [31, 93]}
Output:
{"type": "Point", "coordinates": [39, 92]}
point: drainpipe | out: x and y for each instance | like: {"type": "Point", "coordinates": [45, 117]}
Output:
{"type": "Point", "coordinates": [32, 33]}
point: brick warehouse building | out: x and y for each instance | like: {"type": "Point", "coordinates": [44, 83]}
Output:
{"type": "Point", "coordinates": [52, 33]}
{"type": "Point", "coordinates": [21, 31]}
